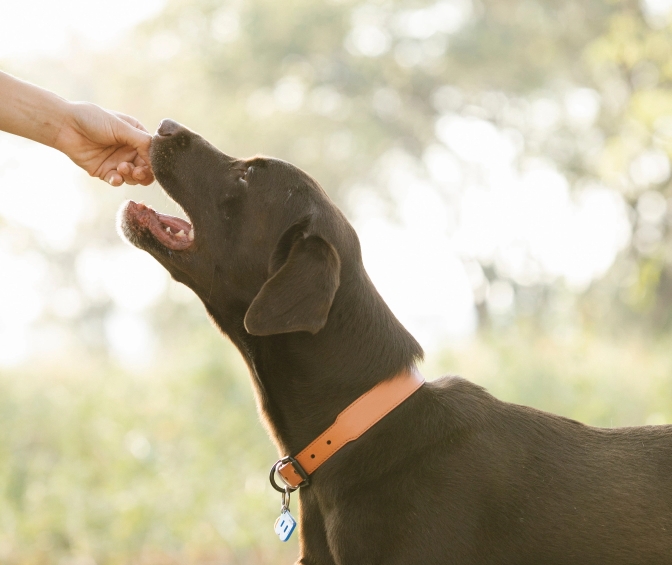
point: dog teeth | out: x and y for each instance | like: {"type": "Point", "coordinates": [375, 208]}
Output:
{"type": "Point", "coordinates": [191, 235]}
{"type": "Point", "coordinates": [181, 234]}
{"type": "Point", "coordinates": [167, 229]}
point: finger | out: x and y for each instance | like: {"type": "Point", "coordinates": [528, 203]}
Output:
{"type": "Point", "coordinates": [113, 178]}
{"type": "Point", "coordinates": [142, 145]}
{"type": "Point", "coordinates": [126, 171]}
{"type": "Point", "coordinates": [144, 169]}
{"type": "Point", "coordinates": [112, 165]}
{"type": "Point", "coordinates": [122, 174]}
{"type": "Point", "coordinates": [143, 175]}
{"type": "Point", "coordinates": [130, 120]}
{"type": "Point", "coordinates": [130, 135]}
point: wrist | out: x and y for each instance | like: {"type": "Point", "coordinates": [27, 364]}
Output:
{"type": "Point", "coordinates": [62, 122]}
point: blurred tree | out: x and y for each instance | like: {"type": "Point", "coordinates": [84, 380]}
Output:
{"type": "Point", "coordinates": [343, 88]}
{"type": "Point", "coordinates": [336, 86]}
{"type": "Point", "coordinates": [121, 469]}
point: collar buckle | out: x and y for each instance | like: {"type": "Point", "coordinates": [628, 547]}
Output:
{"type": "Point", "coordinates": [291, 473]}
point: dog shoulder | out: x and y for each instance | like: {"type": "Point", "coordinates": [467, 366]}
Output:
{"type": "Point", "coordinates": [473, 407]}
{"type": "Point", "coordinates": [455, 391]}
{"type": "Point", "coordinates": [461, 403]}
{"type": "Point", "coordinates": [455, 383]}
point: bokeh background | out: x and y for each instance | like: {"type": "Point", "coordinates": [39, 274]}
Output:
{"type": "Point", "coordinates": [505, 162]}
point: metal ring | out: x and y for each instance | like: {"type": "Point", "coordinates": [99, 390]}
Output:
{"type": "Point", "coordinates": [285, 499]}
{"type": "Point", "coordinates": [271, 478]}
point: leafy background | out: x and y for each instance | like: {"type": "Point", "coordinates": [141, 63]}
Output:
{"type": "Point", "coordinates": [158, 456]}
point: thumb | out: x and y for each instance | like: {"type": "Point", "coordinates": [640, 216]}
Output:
{"type": "Point", "coordinates": [133, 133]}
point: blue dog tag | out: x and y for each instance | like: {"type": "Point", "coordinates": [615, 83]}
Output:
{"type": "Point", "coordinates": [284, 525]}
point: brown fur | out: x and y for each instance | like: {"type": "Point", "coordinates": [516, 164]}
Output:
{"type": "Point", "coordinates": [451, 476]}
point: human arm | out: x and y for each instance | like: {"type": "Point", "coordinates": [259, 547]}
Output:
{"type": "Point", "coordinates": [111, 146]}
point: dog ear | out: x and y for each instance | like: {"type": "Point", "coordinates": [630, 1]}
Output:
{"type": "Point", "coordinates": [297, 297]}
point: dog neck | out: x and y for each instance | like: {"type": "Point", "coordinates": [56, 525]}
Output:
{"type": "Point", "coordinates": [302, 381]}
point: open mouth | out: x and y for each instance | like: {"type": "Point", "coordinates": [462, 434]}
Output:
{"type": "Point", "coordinates": [170, 231]}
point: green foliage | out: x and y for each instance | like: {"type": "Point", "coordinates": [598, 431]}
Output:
{"type": "Point", "coordinates": [109, 467]}
{"type": "Point", "coordinates": [101, 465]}
{"type": "Point", "coordinates": [294, 81]}
{"type": "Point", "coordinates": [594, 379]}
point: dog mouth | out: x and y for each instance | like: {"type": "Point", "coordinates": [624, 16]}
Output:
{"type": "Point", "coordinates": [138, 222]}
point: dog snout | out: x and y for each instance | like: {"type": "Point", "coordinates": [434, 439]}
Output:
{"type": "Point", "coordinates": [168, 128]}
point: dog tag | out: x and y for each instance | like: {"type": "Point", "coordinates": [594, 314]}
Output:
{"type": "Point", "coordinates": [284, 525]}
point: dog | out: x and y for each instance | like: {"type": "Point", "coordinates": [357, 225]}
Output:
{"type": "Point", "coordinates": [449, 476]}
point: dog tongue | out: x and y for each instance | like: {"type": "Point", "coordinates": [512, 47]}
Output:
{"type": "Point", "coordinates": [175, 233]}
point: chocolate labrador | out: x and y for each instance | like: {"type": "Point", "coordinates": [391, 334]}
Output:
{"type": "Point", "coordinates": [451, 475]}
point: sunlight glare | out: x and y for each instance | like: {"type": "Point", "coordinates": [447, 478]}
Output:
{"type": "Point", "coordinates": [40, 191]}
{"type": "Point", "coordinates": [44, 27]}
{"type": "Point", "coordinates": [21, 302]}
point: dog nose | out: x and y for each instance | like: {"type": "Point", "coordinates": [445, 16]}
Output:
{"type": "Point", "coordinates": [168, 128]}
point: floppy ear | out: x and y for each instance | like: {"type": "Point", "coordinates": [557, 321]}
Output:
{"type": "Point", "coordinates": [299, 294]}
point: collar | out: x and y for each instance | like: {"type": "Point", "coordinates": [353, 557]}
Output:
{"type": "Point", "coordinates": [349, 425]}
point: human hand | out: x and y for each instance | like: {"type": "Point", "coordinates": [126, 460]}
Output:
{"type": "Point", "coordinates": [111, 146]}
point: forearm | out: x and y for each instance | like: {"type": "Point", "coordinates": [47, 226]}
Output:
{"type": "Point", "coordinates": [30, 111]}
{"type": "Point", "coordinates": [111, 146]}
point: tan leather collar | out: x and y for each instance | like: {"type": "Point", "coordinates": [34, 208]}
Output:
{"type": "Point", "coordinates": [350, 424]}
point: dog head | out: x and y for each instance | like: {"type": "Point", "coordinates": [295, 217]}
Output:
{"type": "Point", "coordinates": [263, 243]}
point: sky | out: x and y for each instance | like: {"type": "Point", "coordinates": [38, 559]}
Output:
{"type": "Point", "coordinates": [39, 27]}
{"type": "Point", "coordinates": [469, 203]}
